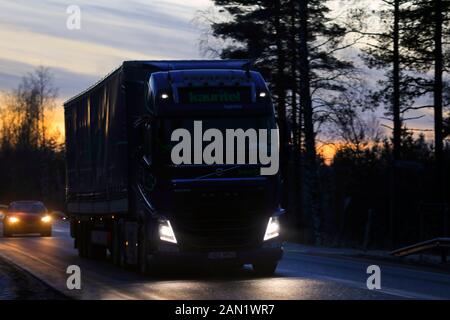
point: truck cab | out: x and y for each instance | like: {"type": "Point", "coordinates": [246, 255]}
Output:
{"type": "Point", "coordinates": [221, 210]}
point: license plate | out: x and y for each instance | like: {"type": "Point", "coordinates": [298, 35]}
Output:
{"type": "Point", "coordinates": [222, 255]}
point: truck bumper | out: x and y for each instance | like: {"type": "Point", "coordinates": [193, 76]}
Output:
{"type": "Point", "coordinates": [170, 254]}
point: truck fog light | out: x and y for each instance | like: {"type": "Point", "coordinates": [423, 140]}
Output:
{"type": "Point", "coordinates": [273, 228]}
{"type": "Point", "coordinates": [166, 232]}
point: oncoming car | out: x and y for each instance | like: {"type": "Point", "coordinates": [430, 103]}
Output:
{"type": "Point", "coordinates": [27, 217]}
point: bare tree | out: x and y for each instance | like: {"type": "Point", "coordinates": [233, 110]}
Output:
{"type": "Point", "coordinates": [24, 136]}
{"type": "Point", "coordinates": [349, 125]}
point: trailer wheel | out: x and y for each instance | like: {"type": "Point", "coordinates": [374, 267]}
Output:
{"type": "Point", "coordinates": [116, 240]}
{"type": "Point", "coordinates": [81, 240]}
{"type": "Point", "coordinates": [96, 252]}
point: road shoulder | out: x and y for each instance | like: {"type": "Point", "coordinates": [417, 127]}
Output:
{"type": "Point", "coordinates": [423, 262]}
{"type": "Point", "coordinates": [18, 284]}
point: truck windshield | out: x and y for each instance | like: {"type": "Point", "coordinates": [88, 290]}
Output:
{"type": "Point", "coordinates": [168, 125]}
{"type": "Point", "coordinates": [220, 123]}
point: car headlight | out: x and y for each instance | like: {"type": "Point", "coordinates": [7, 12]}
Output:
{"type": "Point", "coordinates": [46, 219]}
{"type": "Point", "coordinates": [13, 219]}
{"type": "Point", "coordinates": [273, 228]}
{"type": "Point", "coordinates": [166, 232]}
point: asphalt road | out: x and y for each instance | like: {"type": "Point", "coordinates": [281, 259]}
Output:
{"type": "Point", "coordinates": [300, 275]}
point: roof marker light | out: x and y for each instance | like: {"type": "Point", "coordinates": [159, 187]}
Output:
{"type": "Point", "coordinates": [164, 96]}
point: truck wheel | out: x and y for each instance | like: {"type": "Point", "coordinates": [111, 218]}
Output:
{"type": "Point", "coordinates": [96, 252]}
{"type": "Point", "coordinates": [266, 268]}
{"type": "Point", "coordinates": [121, 249]}
{"type": "Point", "coordinates": [144, 266]}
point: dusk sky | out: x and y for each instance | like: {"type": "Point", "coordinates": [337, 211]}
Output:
{"type": "Point", "coordinates": [111, 31]}
{"type": "Point", "coordinates": [35, 33]}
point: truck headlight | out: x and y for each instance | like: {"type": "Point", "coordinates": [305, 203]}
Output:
{"type": "Point", "coordinates": [166, 232]}
{"type": "Point", "coordinates": [273, 228]}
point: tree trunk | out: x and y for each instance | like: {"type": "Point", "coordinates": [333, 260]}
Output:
{"type": "Point", "coordinates": [438, 70]}
{"type": "Point", "coordinates": [294, 69]}
{"type": "Point", "coordinates": [280, 89]}
{"type": "Point", "coordinates": [295, 150]}
{"type": "Point", "coordinates": [396, 83]}
{"type": "Point", "coordinates": [310, 175]}
{"type": "Point", "coordinates": [397, 120]}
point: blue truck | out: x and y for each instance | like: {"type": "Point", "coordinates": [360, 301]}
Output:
{"type": "Point", "coordinates": [128, 202]}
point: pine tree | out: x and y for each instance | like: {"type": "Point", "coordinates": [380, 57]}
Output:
{"type": "Point", "coordinates": [270, 32]}
{"type": "Point", "coordinates": [385, 50]}
{"type": "Point", "coordinates": [311, 176]}
{"type": "Point", "coordinates": [426, 38]}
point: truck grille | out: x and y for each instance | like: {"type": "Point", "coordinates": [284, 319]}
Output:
{"type": "Point", "coordinates": [218, 232]}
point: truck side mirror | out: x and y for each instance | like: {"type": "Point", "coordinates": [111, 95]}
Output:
{"type": "Point", "coordinates": [140, 126]}
{"type": "Point", "coordinates": [143, 121]}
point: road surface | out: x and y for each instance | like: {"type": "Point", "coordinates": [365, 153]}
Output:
{"type": "Point", "coordinates": [300, 275]}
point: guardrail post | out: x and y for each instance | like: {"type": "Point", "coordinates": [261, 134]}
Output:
{"type": "Point", "coordinates": [421, 222]}
{"type": "Point", "coordinates": [368, 229]}
{"type": "Point", "coordinates": [446, 220]}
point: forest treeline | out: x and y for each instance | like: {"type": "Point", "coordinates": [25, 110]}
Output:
{"type": "Point", "coordinates": [352, 74]}
{"type": "Point", "coordinates": [31, 156]}
{"type": "Point", "coordinates": [338, 69]}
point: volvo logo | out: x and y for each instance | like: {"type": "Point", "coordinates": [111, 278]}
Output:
{"type": "Point", "coordinates": [219, 172]}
